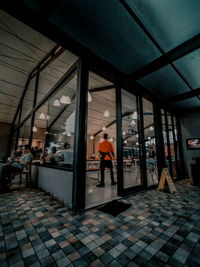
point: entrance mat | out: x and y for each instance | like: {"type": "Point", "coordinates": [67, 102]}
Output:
{"type": "Point", "coordinates": [114, 207]}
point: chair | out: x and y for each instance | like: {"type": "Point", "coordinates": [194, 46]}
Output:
{"type": "Point", "coordinates": [27, 171]}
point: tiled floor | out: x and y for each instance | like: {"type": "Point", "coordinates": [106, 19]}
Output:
{"type": "Point", "coordinates": [158, 230]}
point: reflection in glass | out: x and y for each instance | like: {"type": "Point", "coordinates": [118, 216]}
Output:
{"type": "Point", "coordinates": [131, 161]}
{"type": "Point", "coordinates": [150, 144]}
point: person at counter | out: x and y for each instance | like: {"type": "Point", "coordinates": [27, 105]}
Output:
{"type": "Point", "coordinates": [106, 151]}
{"type": "Point", "coordinates": [16, 166]}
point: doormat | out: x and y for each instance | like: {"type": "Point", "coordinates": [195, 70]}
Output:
{"type": "Point", "coordinates": [114, 207]}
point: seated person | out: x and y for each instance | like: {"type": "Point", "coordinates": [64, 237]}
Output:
{"type": "Point", "coordinates": [51, 157]}
{"type": "Point", "coordinates": [15, 155]}
{"type": "Point", "coordinates": [66, 154]}
{"type": "Point", "coordinates": [16, 166]}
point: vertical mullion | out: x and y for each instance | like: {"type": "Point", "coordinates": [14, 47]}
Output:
{"type": "Point", "coordinates": [180, 148]}
{"type": "Point", "coordinates": [142, 149]}
{"type": "Point", "coordinates": [120, 181]}
{"type": "Point", "coordinates": [168, 145]}
{"type": "Point", "coordinates": [80, 137]}
{"type": "Point", "coordinates": [160, 151]}
{"type": "Point", "coordinates": [18, 130]}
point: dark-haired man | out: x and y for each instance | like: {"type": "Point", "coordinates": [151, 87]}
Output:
{"type": "Point", "coordinates": [106, 151]}
{"type": "Point", "coordinates": [16, 166]}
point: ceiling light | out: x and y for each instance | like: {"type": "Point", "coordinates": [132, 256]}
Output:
{"type": "Point", "coordinates": [42, 116]}
{"type": "Point", "coordinates": [91, 137]}
{"type": "Point", "coordinates": [65, 100]}
{"type": "Point", "coordinates": [134, 115]}
{"type": "Point", "coordinates": [111, 139]}
{"type": "Point", "coordinates": [103, 128]}
{"type": "Point", "coordinates": [125, 142]}
{"type": "Point", "coordinates": [34, 129]}
{"type": "Point", "coordinates": [133, 122]}
{"type": "Point", "coordinates": [137, 143]}
{"type": "Point", "coordinates": [69, 134]}
{"type": "Point", "coordinates": [48, 117]}
{"type": "Point", "coordinates": [136, 135]}
{"type": "Point", "coordinates": [106, 113]}
{"type": "Point", "coordinates": [56, 103]}
{"type": "Point", "coordinates": [64, 133]}
{"type": "Point", "coordinates": [151, 128]}
{"type": "Point", "coordinates": [89, 97]}
{"type": "Point", "coordinates": [123, 133]}
{"type": "Point", "coordinates": [149, 138]}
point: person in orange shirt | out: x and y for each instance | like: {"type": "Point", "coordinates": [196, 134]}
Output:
{"type": "Point", "coordinates": [106, 151]}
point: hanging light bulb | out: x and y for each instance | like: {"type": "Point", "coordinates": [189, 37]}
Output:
{"type": "Point", "coordinates": [133, 122]}
{"type": "Point", "coordinates": [151, 128]}
{"type": "Point", "coordinates": [111, 139]}
{"type": "Point", "coordinates": [48, 117]}
{"type": "Point", "coordinates": [65, 100]}
{"type": "Point", "coordinates": [69, 134]}
{"type": "Point", "coordinates": [34, 129]}
{"type": "Point", "coordinates": [123, 133]}
{"type": "Point", "coordinates": [42, 116]}
{"type": "Point", "coordinates": [91, 137]}
{"type": "Point", "coordinates": [103, 128]}
{"type": "Point", "coordinates": [56, 103]}
{"type": "Point", "coordinates": [106, 113]}
{"type": "Point", "coordinates": [125, 141]}
{"type": "Point", "coordinates": [134, 115]}
{"type": "Point", "coordinates": [89, 97]}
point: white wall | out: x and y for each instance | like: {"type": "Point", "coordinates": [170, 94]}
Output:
{"type": "Point", "coordinates": [190, 128]}
{"type": "Point", "coordinates": [56, 182]}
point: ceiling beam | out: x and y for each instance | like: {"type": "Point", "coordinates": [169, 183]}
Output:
{"type": "Point", "coordinates": [97, 89]}
{"type": "Point", "coordinates": [184, 96]}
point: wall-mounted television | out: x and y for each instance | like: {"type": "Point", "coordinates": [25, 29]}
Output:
{"type": "Point", "coordinates": [193, 143]}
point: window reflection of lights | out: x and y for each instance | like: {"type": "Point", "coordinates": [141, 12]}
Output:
{"type": "Point", "coordinates": [65, 100]}
{"type": "Point", "coordinates": [103, 128]}
{"type": "Point", "coordinates": [123, 133]}
{"type": "Point", "coordinates": [151, 128]}
{"type": "Point", "coordinates": [111, 139]}
{"type": "Point", "coordinates": [69, 134]}
{"type": "Point", "coordinates": [91, 137]}
{"type": "Point", "coordinates": [42, 116]}
{"type": "Point", "coordinates": [89, 97]}
{"type": "Point", "coordinates": [34, 129]}
{"type": "Point", "coordinates": [56, 103]}
{"type": "Point", "coordinates": [125, 141]}
{"type": "Point", "coordinates": [106, 113]}
{"type": "Point", "coordinates": [134, 115]}
{"type": "Point", "coordinates": [133, 122]}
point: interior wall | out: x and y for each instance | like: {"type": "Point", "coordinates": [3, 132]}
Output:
{"type": "Point", "coordinates": [190, 128]}
{"type": "Point", "coordinates": [4, 136]}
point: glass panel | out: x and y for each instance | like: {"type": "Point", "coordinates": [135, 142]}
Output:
{"type": "Point", "coordinates": [101, 113]}
{"type": "Point", "coordinates": [170, 22]}
{"type": "Point", "coordinates": [165, 82]}
{"type": "Point", "coordinates": [60, 128]}
{"type": "Point", "coordinates": [171, 141]}
{"type": "Point", "coordinates": [124, 44]}
{"type": "Point", "coordinates": [131, 159]}
{"type": "Point", "coordinates": [150, 144]}
{"type": "Point", "coordinates": [24, 133]}
{"type": "Point", "coordinates": [165, 138]}
{"type": "Point", "coordinates": [53, 72]}
{"type": "Point", "coordinates": [193, 102]}
{"type": "Point", "coordinates": [189, 67]}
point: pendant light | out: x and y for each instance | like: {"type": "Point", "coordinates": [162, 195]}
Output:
{"type": "Point", "coordinates": [134, 115]}
{"type": "Point", "coordinates": [56, 103]}
{"type": "Point", "coordinates": [151, 128]}
{"type": "Point", "coordinates": [34, 129]}
{"type": "Point", "coordinates": [111, 139]}
{"type": "Point", "coordinates": [89, 97]}
{"type": "Point", "coordinates": [42, 116]}
{"type": "Point", "coordinates": [65, 100]}
{"type": "Point", "coordinates": [103, 128]}
{"type": "Point", "coordinates": [125, 141]}
{"type": "Point", "coordinates": [48, 117]}
{"type": "Point", "coordinates": [106, 113]}
{"type": "Point", "coordinates": [123, 133]}
{"type": "Point", "coordinates": [132, 122]}
{"type": "Point", "coordinates": [91, 137]}
{"type": "Point", "coordinates": [149, 138]}
{"type": "Point", "coordinates": [69, 134]}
